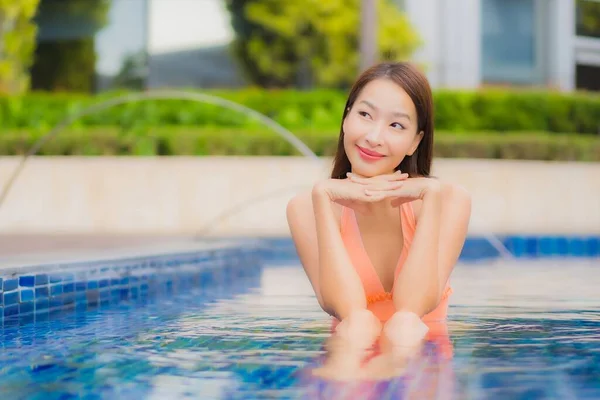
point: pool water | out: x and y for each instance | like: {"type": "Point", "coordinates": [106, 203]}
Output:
{"type": "Point", "coordinates": [518, 330]}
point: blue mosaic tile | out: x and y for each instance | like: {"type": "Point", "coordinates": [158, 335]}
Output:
{"type": "Point", "coordinates": [27, 281]}
{"type": "Point", "coordinates": [56, 290]}
{"type": "Point", "coordinates": [26, 295]}
{"type": "Point", "coordinates": [10, 311]}
{"type": "Point", "coordinates": [69, 299]}
{"type": "Point", "coordinates": [593, 247]}
{"type": "Point", "coordinates": [577, 247]}
{"type": "Point", "coordinates": [10, 284]}
{"type": "Point", "coordinates": [80, 297]}
{"type": "Point", "coordinates": [41, 292]}
{"type": "Point", "coordinates": [26, 307]}
{"type": "Point", "coordinates": [103, 283]}
{"type": "Point", "coordinates": [42, 304]}
{"type": "Point", "coordinates": [547, 246]}
{"type": "Point", "coordinates": [41, 279]}
{"type": "Point", "coordinates": [55, 278]}
{"type": "Point", "coordinates": [92, 285]}
{"type": "Point", "coordinates": [11, 298]}
{"type": "Point", "coordinates": [531, 247]}
{"type": "Point", "coordinates": [562, 246]}
{"type": "Point", "coordinates": [80, 286]}
{"type": "Point", "coordinates": [56, 302]}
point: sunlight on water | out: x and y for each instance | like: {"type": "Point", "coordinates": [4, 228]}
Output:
{"type": "Point", "coordinates": [526, 329]}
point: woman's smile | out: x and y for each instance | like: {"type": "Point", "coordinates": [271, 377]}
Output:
{"type": "Point", "coordinates": [369, 155]}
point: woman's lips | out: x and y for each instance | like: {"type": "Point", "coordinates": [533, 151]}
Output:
{"type": "Point", "coordinates": [369, 155]}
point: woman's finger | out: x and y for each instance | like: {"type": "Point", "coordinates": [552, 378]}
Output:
{"type": "Point", "coordinates": [385, 186]}
{"type": "Point", "coordinates": [373, 196]}
{"type": "Point", "coordinates": [379, 178]}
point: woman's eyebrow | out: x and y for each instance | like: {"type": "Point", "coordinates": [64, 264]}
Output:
{"type": "Point", "coordinates": [395, 113]}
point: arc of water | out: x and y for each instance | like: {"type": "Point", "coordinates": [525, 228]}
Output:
{"type": "Point", "coordinates": [199, 97]}
{"type": "Point", "coordinates": [163, 94]}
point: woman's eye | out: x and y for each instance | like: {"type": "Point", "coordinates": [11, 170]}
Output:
{"type": "Point", "coordinates": [364, 114]}
{"type": "Point", "coordinates": [397, 125]}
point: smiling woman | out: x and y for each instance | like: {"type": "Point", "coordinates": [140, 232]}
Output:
{"type": "Point", "coordinates": [381, 236]}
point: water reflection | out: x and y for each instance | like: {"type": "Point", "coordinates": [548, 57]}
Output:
{"type": "Point", "coordinates": [264, 339]}
{"type": "Point", "coordinates": [381, 371]}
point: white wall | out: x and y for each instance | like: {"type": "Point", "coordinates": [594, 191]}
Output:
{"type": "Point", "coordinates": [451, 34]}
{"type": "Point", "coordinates": [450, 31]}
{"type": "Point", "coordinates": [183, 195]}
{"type": "Point", "coordinates": [561, 51]}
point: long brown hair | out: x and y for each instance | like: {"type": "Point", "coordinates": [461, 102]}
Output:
{"type": "Point", "coordinates": [414, 82]}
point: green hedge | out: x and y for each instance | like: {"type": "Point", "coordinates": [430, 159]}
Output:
{"type": "Point", "coordinates": [473, 111]}
{"type": "Point", "coordinates": [167, 141]}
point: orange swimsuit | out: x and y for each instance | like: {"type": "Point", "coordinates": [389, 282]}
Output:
{"type": "Point", "coordinates": [378, 300]}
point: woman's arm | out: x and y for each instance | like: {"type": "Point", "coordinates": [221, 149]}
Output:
{"type": "Point", "coordinates": [316, 233]}
{"type": "Point", "coordinates": [315, 230]}
{"type": "Point", "coordinates": [438, 241]}
{"type": "Point", "coordinates": [341, 289]}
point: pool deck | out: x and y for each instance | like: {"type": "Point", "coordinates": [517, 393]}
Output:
{"type": "Point", "coordinates": [18, 251]}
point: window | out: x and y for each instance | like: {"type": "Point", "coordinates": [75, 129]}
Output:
{"type": "Point", "coordinates": [588, 77]}
{"type": "Point", "coordinates": [588, 18]}
{"type": "Point", "coordinates": [512, 41]}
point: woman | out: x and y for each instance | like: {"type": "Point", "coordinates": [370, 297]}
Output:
{"type": "Point", "coordinates": [380, 238]}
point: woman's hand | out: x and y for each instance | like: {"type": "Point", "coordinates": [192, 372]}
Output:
{"type": "Point", "coordinates": [403, 191]}
{"type": "Point", "coordinates": [357, 195]}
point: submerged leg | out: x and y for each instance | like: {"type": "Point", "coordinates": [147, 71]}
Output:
{"type": "Point", "coordinates": [348, 345]}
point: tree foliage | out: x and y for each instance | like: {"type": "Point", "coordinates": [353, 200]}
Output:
{"type": "Point", "coordinates": [589, 16]}
{"type": "Point", "coordinates": [17, 43]}
{"type": "Point", "coordinates": [67, 60]}
{"type": "Point", "coordinates": [312, 42]}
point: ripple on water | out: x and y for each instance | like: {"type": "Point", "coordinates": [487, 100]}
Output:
{"type": "Point", "coordinates": [256, 340]}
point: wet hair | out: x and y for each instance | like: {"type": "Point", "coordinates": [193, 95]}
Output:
{"type": "Point", "coordinates": [416, 85]}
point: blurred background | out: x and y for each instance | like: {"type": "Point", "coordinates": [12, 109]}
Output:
{"type": "Point", "coordinates": [513, 80]}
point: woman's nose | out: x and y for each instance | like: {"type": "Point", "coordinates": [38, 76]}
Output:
{"type": "Point", "coordinates": [374, 136]}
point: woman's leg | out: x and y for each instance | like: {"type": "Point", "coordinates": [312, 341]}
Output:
{"type": "Point", "coordinates": [348, 345]}
{"type": "Point", "coordinates": [405, 333]}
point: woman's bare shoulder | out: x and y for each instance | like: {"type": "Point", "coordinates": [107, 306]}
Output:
{"type": "Point", "coordinates": [301, 205]}
{"type": "Point", "coordinates": [451, 193]}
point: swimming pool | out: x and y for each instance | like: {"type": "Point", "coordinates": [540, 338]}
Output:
{"type": "Point", "coordinates": [243, 323]}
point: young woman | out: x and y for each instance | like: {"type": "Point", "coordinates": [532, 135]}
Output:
{"type": "Point", "coordinates": [380, 238]}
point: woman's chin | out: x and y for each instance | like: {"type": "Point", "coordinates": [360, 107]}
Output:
{"type": "Point", "coordinates": [369, 171]}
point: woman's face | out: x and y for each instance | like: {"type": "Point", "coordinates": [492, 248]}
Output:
{"type": "Point", "coordinates": [380, 129]}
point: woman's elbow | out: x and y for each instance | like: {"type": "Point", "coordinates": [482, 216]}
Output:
{"type": "Point", "coordinates": [433, 299]}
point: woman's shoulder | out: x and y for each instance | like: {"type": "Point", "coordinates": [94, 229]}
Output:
{"type": "Point", "coordinates": [301, 205]}
{"type": "Point", "coordinates": [451, 192]}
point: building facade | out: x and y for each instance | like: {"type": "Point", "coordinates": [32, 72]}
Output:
{"type": "Point", "coordinates": [186, 43]}
{"type": "Point", "coordinates": [545, 43]}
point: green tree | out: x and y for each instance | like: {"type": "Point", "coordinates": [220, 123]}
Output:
{"type": "Point", "coordinates": [312, 42]}
{"type": "Point", "coordinates": [588, 17]}
{"type": "Point", "coordinates": [17, 42]}
{"type": "Point", "coordinates": [65, 56]}
{"type": "Point", "coordinates": [132, 73]}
